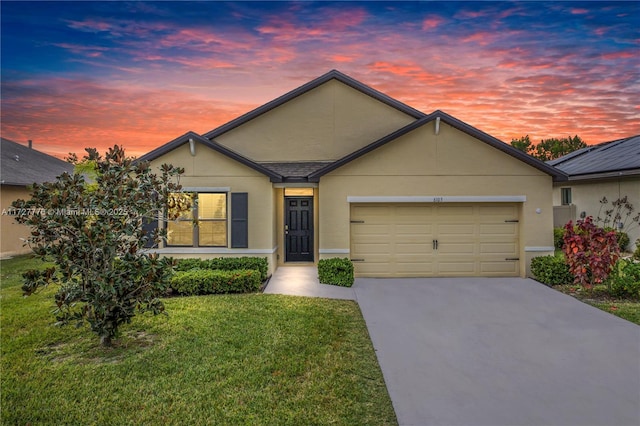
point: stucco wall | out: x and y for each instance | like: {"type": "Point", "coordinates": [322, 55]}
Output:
{"type": "Point", "coordinates": [210, 169]}
{"type": "Point", "coordinates": [449, 164]}
{"type": "Point", "coordinates": [586, 197]}
{"type": "Point", "coordinates": [11, 231]}
{"type": "Point", "coordinates": [326, 123]}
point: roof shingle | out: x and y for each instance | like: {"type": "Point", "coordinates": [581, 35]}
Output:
{"type": "Point", "coordinates": [22, 166]}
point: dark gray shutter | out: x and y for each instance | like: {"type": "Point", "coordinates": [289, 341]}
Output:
{"type": "Point", "coordinates": [148, 226]}
{"type": "Point", "coordinates": [239, 220]}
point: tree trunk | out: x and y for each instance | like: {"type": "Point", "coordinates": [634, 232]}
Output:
{"type": "Point", "coordinates": [105, 340]}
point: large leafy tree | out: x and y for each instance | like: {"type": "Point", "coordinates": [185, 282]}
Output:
{"type": "Point", "coordinates": [549, 149]}
{"type": "Point", "coordinates": [90, 224]}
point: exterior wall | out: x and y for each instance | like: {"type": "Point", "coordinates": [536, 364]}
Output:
{"type": "Point", "coordinates": [210, 169]}
{"type": "Point", "coordinates": [586, 196]}
{"type": "Point", "coordinates": [327, 123]}
{"type": "Point", "coordinates": [449, 164]}
{"type": "Point", "coordinates": [12, 232]}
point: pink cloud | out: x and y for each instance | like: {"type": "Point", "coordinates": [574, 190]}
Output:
{"type": "Point", "coordinates": [432, 22]}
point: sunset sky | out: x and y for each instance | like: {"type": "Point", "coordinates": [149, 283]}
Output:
{"type": "Point", "coordinates": [79, 74]}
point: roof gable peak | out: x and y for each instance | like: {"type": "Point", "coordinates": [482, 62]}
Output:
{"type": "Point", "coordinates": [307, 87]}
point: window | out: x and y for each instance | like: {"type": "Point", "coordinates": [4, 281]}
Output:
{"type": "Point", "coordinates": [565, 194]}
{"type": "Point", "coordinates": [205, 225]}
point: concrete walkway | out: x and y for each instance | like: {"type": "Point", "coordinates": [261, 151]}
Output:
{"type": "Point", "coordinates": [504, 351]}
{"type": "Point", "coordinates": [302, 280]}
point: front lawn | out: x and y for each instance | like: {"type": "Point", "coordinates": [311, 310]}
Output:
{"type": "Point", "coordinates": [235, 359]}
{"type": "Point", "coordinates": [628, 309]}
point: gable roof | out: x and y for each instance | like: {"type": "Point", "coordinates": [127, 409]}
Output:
{"type": "Point", "coordinates": [311, 171]}
{"type": "Point", "coordinates": [331, 75]}
{"type": "Point", "coordinates": [181, 140]}
{"type": "Point", "coordinates": [453, 122]}
{"type": "Point", "coordinates": [616, 158]}
{"type": "Point", "coordinates": [22, 166]}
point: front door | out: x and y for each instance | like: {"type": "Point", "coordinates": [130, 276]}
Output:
{"type": "Point", "coordinates": [298, 229]}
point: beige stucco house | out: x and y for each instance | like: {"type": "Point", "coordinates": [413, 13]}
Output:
{"type": "Point", "coordinates": [20, 167]}
{"type": "Point", "coordinates": [335, 168]}
{"type": "Point", "coordinates": [608, 170]}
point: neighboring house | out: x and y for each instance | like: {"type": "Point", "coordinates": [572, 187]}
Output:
{"type": "Point", "coordinates": [335, 168]}
{"type": "Point", "coordinates": [611, 170]}
{"type": "Point", "coordinates": [21, 166]}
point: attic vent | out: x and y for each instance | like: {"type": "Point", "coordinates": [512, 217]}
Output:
{"type": "Point", "coordinates": [17, 157]}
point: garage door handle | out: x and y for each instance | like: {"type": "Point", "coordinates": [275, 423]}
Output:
{"type": "Point", "coordinates": [435, 244]}
{"type": "Point", "coordinates": [357, 221]}
{"type": "Point", "coordinates": [357, 260]}
{"type": "Point", "coordinates": [512, 221]}
{"type": "Point", "coordinates": [512, 258]}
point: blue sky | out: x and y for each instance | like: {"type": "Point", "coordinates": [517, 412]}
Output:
{"type": "Point", "coordinates": [78, 74]}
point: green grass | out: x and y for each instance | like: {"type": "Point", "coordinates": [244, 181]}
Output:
{"type": "Point", "coordinates": [244, 359]}
{"type": "Point", "coordinates": [599, 297]}
{"type": "Point", "coordinates": [624, 309]}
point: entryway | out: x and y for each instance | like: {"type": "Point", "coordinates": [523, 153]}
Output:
{"type": "Point", "coordinates": [298, 229]}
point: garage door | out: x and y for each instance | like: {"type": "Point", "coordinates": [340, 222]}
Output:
{"type": "Point", "coordinates": [423, 240]}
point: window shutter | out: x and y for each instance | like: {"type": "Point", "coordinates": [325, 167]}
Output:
{"type": "Point", "coordinates": [148, 226]}
{"type": "Point", "coordinates": [239, 220]}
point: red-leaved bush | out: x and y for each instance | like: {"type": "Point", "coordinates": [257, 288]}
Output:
{"type": "Point", "coordinates": [590, 251]}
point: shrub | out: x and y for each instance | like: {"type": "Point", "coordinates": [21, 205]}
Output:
{"type": "Point", "coordinates": [624, 281]}
{"type": "Point", "coordinates": [558, 238]}
{"type": "Point", "coordinates": [551, 270]}
{"type": "Point", "coordinates": [207, 281]}
{"type": "Point", "coordinates": [260, 264]}
{"type": "Point", "coordinates": [636, 254]}
{"type": "Point", "coordinates": [621, 237]}
{"type": "Point", "coordinates": [336, 271]}
{"type": "Point", "coordinates": [590, 251]}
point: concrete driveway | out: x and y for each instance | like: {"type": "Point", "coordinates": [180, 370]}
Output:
{"type": "Point", "coordinates": [500, 352]}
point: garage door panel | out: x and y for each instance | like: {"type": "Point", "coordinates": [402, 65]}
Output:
{"type": "Point", "coordinates": [405, 249]}
{"type": "Point", "coordinates": [497, 268]}
{"type": "Point", "coordinates": [466, 229]}
{"type": "Point", "coordinates": [497, 228]}
{"type": "Point", "coordinates": [508, 248]}
{"type": "Point", "coordinates": [454, 211]}
{"type": "Point", "coordinates": [398, 240]}
{"type": "Point", "coordinates": [465, 248]}
{"type": "Point", "coordinates": [458, 268]}
{"type": "Point", "coordinates": [372, 249]}
{"type": "Point", "coordinates": [412, 268]}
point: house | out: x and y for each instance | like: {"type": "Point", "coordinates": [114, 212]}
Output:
{"type": "Point", "coordinates": [22, 166]}
{"type": "Point", "coordinates": [335, 168]}
{"type": "Point", "coordinates": [608, 170]}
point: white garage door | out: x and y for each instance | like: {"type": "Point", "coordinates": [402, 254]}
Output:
{"type": "Point", "coordinates": [423, 240]}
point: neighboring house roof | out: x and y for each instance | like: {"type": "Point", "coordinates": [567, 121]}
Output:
{"type": "Point", "coordinates": [22, 166]}
{"type": "Point", "coordinates": [312, 171]}
{"type": "Point", "coordinates": [616, 158]}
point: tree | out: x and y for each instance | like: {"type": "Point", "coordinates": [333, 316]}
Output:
{"type": "Point", "coordinates": [90, 225]}
{"type": "Point", "coordinates": [549, 149]}
{"type": "Point", "coordinates": [523, 144]}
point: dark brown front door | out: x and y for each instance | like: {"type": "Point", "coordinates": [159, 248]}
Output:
{"type": "Point", "coordinates": [298, 229]}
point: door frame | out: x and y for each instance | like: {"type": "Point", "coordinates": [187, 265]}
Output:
{"type": "Point", "coordinates": [311, 230]}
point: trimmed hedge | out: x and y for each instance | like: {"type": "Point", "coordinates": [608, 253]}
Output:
{"type": "Point", "coordinates": [260, 264]}
{"type": "Point", "coordinates": [551, 270]}
{"type": "Point", "coordinates": [207, 281]}
{"type": "Point", "coordinates": [336, 271]}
